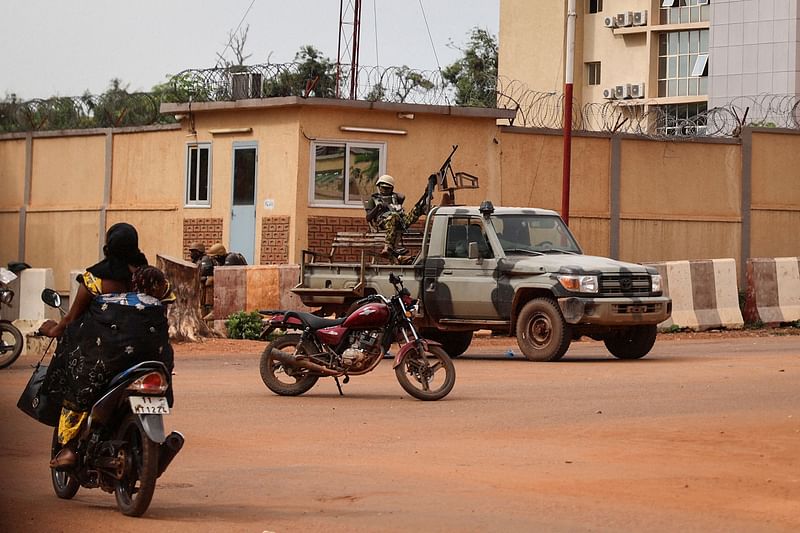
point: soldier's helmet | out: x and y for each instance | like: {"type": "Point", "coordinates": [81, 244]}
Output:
{"type": "Point", "coordinates": [217, 249]}
{"type": "Point", "coordinates": [385, 181]}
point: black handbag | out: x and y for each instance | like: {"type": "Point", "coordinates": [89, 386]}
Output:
{"type": "Point", "coordinates": [36, 402]}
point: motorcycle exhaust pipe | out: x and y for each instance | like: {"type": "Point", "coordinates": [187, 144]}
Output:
{"type": "Point", "coordinates": [294, 362]}
{"type": "Point", "coordinates": [168, 450]}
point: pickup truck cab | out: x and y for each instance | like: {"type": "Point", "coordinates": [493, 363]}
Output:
{"type": "Point", "coordinates": [515, 271]}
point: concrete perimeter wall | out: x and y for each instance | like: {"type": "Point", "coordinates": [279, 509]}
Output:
{"type": "Point", "coordinates": [645, 200]}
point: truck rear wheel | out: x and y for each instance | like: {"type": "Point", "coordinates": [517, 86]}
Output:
{"type": "Point", "coordinates": [454, 343]}
{"type": "Point", "coordinates": [542, 333]}
{"type": "Point", "coordinates": [633, 343]}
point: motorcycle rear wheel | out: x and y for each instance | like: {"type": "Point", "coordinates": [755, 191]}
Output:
{"type": "Point", "coordinates": [11, 343]}
{"type": "Point", "coordinates": [281, 380]}
{"type": "Point", "coordinates": [135, 490]}
{"type": "Point", "coordinates": [426, 375]}
{"type": "Point", "coordinates": [64, 485]}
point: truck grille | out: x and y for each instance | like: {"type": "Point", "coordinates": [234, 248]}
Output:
{"type": "Point", "coordinates": [625, 285]}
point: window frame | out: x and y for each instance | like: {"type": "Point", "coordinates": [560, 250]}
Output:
{"type": "Point", "coordinates": [348, 145]}
{"type": "Point", "coordinates": [670, 123]}
{"type": "Point", "coordinates": [594, 6]}
{"type": "Point", "coordinates": [188, 201]}
{"type": "Point", "coordinates": [683, 57]}
{"type": "Point", "coordinates": [598, 73]}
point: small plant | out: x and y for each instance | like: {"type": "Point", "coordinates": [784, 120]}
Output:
{"type": "Point", "coordinates": [242, 325]}
{"type": "Point", "coordinates": [674, 328]}
{"type": "Point", "coordinates": [758, 324]}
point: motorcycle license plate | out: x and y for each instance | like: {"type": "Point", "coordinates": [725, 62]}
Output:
{"type": "Point", "coordinates": [149, 405]}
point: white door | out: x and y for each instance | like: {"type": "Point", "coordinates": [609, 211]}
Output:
{"type": "Point", "coordinates": [243, 205]}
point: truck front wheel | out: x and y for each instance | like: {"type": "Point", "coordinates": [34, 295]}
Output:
{"type": "Point", "coordinates": [632, 343]}
{"type": "Point", "coordinates": [542, 333]}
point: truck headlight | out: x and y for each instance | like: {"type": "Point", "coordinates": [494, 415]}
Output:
{"type": "Point", "coordinates": [655, 282]}
{"type": "Point", "coordinates": [577, 283]}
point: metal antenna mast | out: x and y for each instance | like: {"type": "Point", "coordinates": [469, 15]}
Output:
{"type": "Point", "coordinates": [349, 38]}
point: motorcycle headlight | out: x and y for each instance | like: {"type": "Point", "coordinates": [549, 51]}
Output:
{"type": "Point", "coordinates": [578, 283]}
{"type": "Point", "coordinates": [655, 282]}
{"type": "Point", "coordinates": [6, 296]}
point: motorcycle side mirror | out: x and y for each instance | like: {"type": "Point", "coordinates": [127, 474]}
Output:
{"type": "Point", "coordinates": [51, 298]}
{"type": "Point", "coordinates": [393, 279]}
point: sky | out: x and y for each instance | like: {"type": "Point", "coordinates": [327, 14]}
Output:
{"type": "Point", "coordinates": [64, 48]}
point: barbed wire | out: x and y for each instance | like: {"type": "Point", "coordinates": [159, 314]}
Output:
{"type": "Point", "coordinates": [113, 109]}
{"type": "Point", "coordinates": [534, 109]}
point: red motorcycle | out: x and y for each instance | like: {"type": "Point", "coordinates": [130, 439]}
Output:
{"type": "Point", "coordinates": [354, 345]}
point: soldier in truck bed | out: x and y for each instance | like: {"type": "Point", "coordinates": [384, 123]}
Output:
{"type": "Point", "coordinates": [385, 212]}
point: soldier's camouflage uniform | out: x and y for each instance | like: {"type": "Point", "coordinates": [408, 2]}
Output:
{"type": "Point", "coordinates": [393, 220]}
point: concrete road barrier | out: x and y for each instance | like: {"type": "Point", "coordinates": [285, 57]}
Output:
{"type": "Point", "coordinates": [704, 294]}
{"type": "Point", "coordinates": [773, 290]}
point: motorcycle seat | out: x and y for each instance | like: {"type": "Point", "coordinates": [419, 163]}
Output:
{"type": "Point", "coordinates": [314, 321]}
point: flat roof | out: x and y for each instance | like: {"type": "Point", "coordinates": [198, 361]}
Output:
{"type": "Point", "coordinates": [296, 101]}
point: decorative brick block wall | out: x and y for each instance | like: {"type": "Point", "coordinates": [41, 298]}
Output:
{"type": "Point", "coordinates": [321, 231]}
{"type": "Point", "coordinates": [205, 230]}
{"type": "Point", "coordinates": [275, 240]}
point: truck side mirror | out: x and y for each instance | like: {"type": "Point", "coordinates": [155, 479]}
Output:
{"type": "Point", "coordinates": [472, 250]}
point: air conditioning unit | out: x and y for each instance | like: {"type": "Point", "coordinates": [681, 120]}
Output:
{"type": "Point", "coordinates": [622, 91]}
{"type": "Point", "coordinates": [245, 85]}
{"type": "Point", "coordinates": [624, 19]}
{"type": "Point", "coordinates": [610, 22]}
{"type": "Point", "coordinates": [637, 90]}
{"type": "Point", "coordinates": [609, 93]}
{"type": "Point", "coordinates": [640, 18]}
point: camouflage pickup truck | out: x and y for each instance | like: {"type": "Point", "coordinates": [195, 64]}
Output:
{"type": "Point", "coordinates": [515, 271]}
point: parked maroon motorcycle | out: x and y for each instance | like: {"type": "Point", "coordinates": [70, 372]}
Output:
{"type": "Point", "coordinates": [354, 345]}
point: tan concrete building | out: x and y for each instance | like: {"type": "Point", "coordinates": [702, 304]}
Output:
{"type": "Point", "coordinates": [675, 57]}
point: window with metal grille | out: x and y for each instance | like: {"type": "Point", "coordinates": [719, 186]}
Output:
{"type": "Point", "coordinates": [682, 119]}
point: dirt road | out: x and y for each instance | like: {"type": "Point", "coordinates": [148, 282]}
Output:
{"type": "Point", "coordinates": [701, 435]}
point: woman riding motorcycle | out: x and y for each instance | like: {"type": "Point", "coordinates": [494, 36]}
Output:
{"type": "Point", "coordinates": [116, 320]}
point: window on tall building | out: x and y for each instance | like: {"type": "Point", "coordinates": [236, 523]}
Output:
{"type": "Point", "coordinates": [683, 63]}
{"type": "Point", "coordinates": [684, 11]}
{"type": "Point", "coordinates": [594, 6]}
{"type": "Point", "coordinates": [344, 173]}
{"type": "Point", "coordinates": [593, 73]}
{"type": "Point", "coordinates": [682, 119]}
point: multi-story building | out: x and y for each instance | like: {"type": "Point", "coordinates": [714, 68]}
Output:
{"type": "Point", "coordinates": [676, 57]}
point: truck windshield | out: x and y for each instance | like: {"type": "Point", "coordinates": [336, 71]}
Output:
{"type": "Point", "coordinates": [525, 233]}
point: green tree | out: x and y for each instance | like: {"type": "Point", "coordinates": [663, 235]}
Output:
{"type": "Point", "coordinates": [117, 107]}
{"type": "Point", "coordinates": [182, 87]}
{"type": "Point", "coordinates": [474, 76]}
{"type": "Point", "coordinates": [311, 75]}
{"type": "Point", "coordinates": [410, 80]}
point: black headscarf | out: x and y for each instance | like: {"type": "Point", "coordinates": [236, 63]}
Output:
{"type": "Point", "coordinates": [121, 249]}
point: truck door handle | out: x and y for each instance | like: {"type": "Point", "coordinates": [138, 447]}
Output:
{"type": "Point", "coordinates": [447, 271]}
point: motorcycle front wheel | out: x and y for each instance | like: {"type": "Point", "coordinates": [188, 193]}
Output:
{"type": "Point", "coordinates": [426, 374]}
{"type": "Point", "coordinates": [64, 485]}
{"type": "Point", "coordinates": [282, 379]}
{"type": "Point", "coordinates": [140, 468]}
{"type": "Point", "coordinates": [10, 343]}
